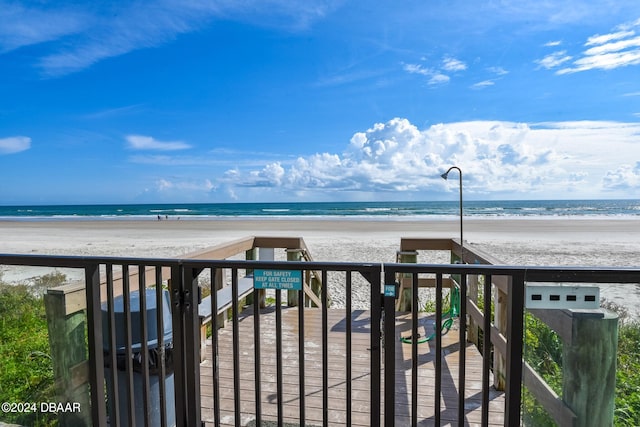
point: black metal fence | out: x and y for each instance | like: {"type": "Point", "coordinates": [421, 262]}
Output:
{"type": "Point", "coordinates": [124, 357]}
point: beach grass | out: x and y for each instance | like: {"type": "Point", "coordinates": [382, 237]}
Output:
{"type": "Point", "coordinates": [27, 371]}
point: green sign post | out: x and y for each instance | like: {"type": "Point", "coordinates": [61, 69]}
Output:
{"type": "Point", "coordinates": [278, 279]}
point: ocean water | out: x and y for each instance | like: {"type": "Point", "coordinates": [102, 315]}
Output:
{"type": "Point", "coordinates": [629, 209]}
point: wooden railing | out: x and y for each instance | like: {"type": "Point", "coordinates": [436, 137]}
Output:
{"type": "Point", "coordinates": [573, 407]}
{"type": "Point", "coordinates": [66, 309]}
{"type": "Point", "coordinates": [73, 309]}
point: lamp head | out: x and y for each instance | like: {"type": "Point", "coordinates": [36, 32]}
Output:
{"type": "Point", "coordinates": [446, 174]}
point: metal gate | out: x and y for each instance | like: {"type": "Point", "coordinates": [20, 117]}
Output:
{"type": "Point", "coordinates": [252, 381]}
{"type": "Point", "coordinates": [317, 369]}
{"type": "Point", "coordinates": [277, 374]}
{"type": "Point", "coordinates": [296, 365]}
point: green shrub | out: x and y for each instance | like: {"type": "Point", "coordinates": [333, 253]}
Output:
{"type": "Point", "coordinates": [26, 372]}
{"type": "Point", "coordinates": [543, 351]}
{"type": "Point", "coordinates": [627, 412]}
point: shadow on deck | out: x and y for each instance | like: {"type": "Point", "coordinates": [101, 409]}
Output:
{"type": "Point", "coordinates": [337, 372]}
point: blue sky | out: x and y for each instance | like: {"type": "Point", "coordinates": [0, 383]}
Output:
{"type": "Point", "coordinates": [214, 101]}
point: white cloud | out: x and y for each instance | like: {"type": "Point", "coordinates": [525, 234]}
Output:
{"type": "Point", "coordinates": [188, 190]}
{"type": "Point", "coordinates": [141, 142]}
{"type": "Point", "coordinates": [83, 34]}
{"type": "Point", "coordinates": [607, 61]}
{"type": "Point", "coordinates": [498, 70]}
{"type": "Point", "coordinates": [629, 25]}
{"type": "Point", "coordinates": [619, 48]}
{"type": "Point", "coordinates": [439, 79]}
{"type": "Point", "coordinates": [24, 26]}
{"type": "Point", "coordinates": [167, 160]}
{"type": "Point", "coordinates": [271, 174]}
{"type": "Point", "coordinates": [131, 27]}
{"type": "Point", "coordinates": [452, 64]}
{"type": "Point", "coordinates": [625, 177]}
{"type": "Point", "coordinates": [14, 144]}
{"type": "Point", "coordinates": [598, 39]}
{"type": "Point", "coordinates": [554, 60]}
{"type": "Point", "coordinates": [398, 159]}
{"type": "Point", "coordinates": [219, 158]}
{"type": "Point", "coordinates": [553, 43]}
{"type": "Point", "coordinates": [417, 69]}
{"type": "Point", "coordinates": [483, 84]}
{"type": "Point", "coordinates": [613, 47]}
{"type": "Point", "coordinates": [436, 78]}
{"type": "Point", "coordinates": [437, 75]}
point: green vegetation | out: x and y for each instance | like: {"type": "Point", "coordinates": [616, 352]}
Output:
{"type": "Point", "coordinates": [543, 351]}
{"type": "Point", "coordinates": [429, 305]}
{"type": "Point", "coordinates": [627, 412]}
{"type": "Point", "coordinates": [26, 372]}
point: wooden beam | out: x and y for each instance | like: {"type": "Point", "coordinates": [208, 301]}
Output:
{"type": "Point", "coordinates": [475, 255]}
{"type": "Point", "coordinates": [553, 404]}
{"type": "Point", "coordinates": [430, 282]}
{"type": "Point", "coordinates": [224, 250]}
{"type": "Point", "coordinates": [309, 292]}
{"type": "Point", "coordinates": [498, 340]}
{"type": "Point", "coordinates": [416, 244]}
{"type": "Point", "coordinates": [71, 297]}
{"type": "Point", "coordinates": [558, 320]}
{"type": "Point", "coordinates": [278, 242]}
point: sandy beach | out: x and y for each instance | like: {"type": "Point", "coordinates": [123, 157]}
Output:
{"type": "Point", "coordinates": [562, 242]}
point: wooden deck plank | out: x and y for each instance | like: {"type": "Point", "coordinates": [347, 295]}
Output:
{"type": "Point", "coordinates": [336, 392]}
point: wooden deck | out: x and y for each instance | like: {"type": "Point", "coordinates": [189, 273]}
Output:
{"type": "Point", "coordinates": [360, 378]}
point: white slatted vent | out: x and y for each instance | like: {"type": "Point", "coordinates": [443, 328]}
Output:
{"type": "Point", "coordinates": [562, 297]}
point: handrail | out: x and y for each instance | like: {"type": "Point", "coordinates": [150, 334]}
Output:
{"type": "Point", "coordinates": [314, 275]}
{"type": "Point", "coordinates": [612, 275]}
{"type": "Point", "coordinates": [555, 405]}
{"type": "Point", "coordinates": [498, 336]}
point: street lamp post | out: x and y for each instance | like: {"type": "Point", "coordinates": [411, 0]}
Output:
{"type": "Point", "coordinates": [445, 176]}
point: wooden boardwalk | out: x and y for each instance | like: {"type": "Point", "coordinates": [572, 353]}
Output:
{"type": "Point", "coordinates": [360, 376]}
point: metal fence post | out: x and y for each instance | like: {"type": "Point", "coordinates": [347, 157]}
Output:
{"type": "Point", "coordinates": [94, 329]}
{"type": "Point", "coordinates": [374, 411]}
{"type": "Point", "coordinates": [390, 294]}
{"type": "Point", "coordinates": [191, 344]}
{"type": "Point", "coordinates": [175, 284]}
{"type": "Point", "coordinates": [515, 332]}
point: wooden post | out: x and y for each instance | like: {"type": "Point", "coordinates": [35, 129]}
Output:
{"type": "Point", "coordinates": [589, 367]}
{"type": "Point", "coordinates": [404, 300]}
{"type": "Point", "coordinates": [500, 320]}
{"type": "Point", "coordinates": [455, 258]}
{"type": "Point", "coordinates": [264, 254]}
{"type": "Point", "coordinates": [251, 254]}
{"type": "Point", "coordinates": [216, 285]}
{"type": "Point", "coordinates": [589, 349]}
{"type": "Point", "coordinates": [66, 321]}
{"type": "Point", "coordinates": [472, 328]}
{"type": "Point", "coordinates": [316, 288]}
{"type": "Point", "coordinates": [292, 296]}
